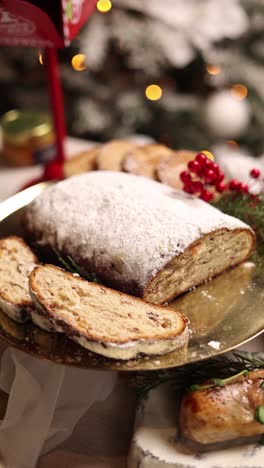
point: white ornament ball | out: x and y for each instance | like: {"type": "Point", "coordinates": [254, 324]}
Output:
{"type": "Point", "coordinates": [226, 116]}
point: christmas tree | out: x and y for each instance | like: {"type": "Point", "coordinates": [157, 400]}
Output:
{"type": "Point", "coordinates": [187, 73]}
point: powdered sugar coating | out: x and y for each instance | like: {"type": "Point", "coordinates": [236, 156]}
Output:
{"type": "Point", "coordinates": [124, 225]}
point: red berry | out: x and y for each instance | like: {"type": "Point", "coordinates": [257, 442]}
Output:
{"type": "Point", "coordinates": [234, 184]}
{"type": "Point", "coordinates": [206, 195]}
{"type": "Point", "coordinates": [220, 176]}
{"type": "Point", "coordinates": [197, 187]}
{"type": "Point", "coordinates": [209, 176]}
{"type": "Point", "coordinates": [244, 188]}
{"type": "Point", "coordinates": [255, 173]}
{"type": "Point", "coordinates": [214, 167]}
{"type": "Point", "coordinates": [188, 188]}
{"type": "Point", "coordinates": [208, 164]}
{"type": "Point", "coordinates": [200, 158]}
{"type": "Point", "coordinates": [194, 166]}
{"type": "Point", "coordinates": [53, 171]}
{"type": "Point", "coordinates": [220, 187]}
{"type": "Point", "coordinates": [185, 176]}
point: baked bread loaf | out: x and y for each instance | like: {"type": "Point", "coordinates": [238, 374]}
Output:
{"type": "Point", "coordinates": [106, 322]}
{"type": "Point", "coordinates": [169, 169]}
{"type": "Point", "coordinates": [16, 263]}
{"type": "Point", "coordinates": [143, 160]}
{"type": "Point", "coordinates": [82, 162]}
{"type": "Point", "coordinates": [137, 235]}
{"type": "Point", "coordinates": [111, 155]}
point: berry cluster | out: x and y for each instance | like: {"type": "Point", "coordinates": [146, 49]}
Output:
{"type": "Point", "coordinates": [237, 186]}
{"type": "Point", "coordinates": [205, 178]}
{"type": "Point", "coordinates": [203, 174]}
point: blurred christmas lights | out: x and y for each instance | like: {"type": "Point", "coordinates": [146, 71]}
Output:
{"type": "Point", "coordinates": [153, 92]}
{"type": "Point", "coordinates": [213, 69]}
{"type": "Point", "coordinates": [104, 5]}
{"type": "Point", "coordinates": [79, 62]}
{"type": "Point", "coordinates": [239, 91]}
{"type": "Point", "coordinates": [40, 58]}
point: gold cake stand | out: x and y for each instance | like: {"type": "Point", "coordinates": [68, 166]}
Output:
{"type": "Point", "coordinates": [224, 314]}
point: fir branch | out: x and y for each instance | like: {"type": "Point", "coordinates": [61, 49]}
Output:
{"type": "Point", "coordinates": [70, 265]}
{"type": "Point", "coordinates": [249, 209]}
{"type": "Point", "coordinates": [245, 207]}
{"type": "Point", "coordinates": [182, 378]}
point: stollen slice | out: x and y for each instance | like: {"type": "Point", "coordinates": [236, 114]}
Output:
{"type": "Point", "coordinates": [144, 160]}
{"type": "Point", "coordinates": [82, 162]}
{"type": "Point", "coordinates": [170, 168]}
{"type": "Point", "coordinates": [16, 263]}
{"type": "Point", "coordinates": [105, 321]}
{"type": "Point", "coordinates": [111, 155]}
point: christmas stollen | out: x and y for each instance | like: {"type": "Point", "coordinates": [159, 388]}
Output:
{"type": "Point", "coordinates": [104, 321]}
{"type": "Point", "coordinates": [139, 236]}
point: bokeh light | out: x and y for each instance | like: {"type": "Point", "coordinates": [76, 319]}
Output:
{"type": "Point", "coordinates": [79, 62]}
{"type": "Point", "coordinates": [104, 6]}
{"type": "Point", "coordinates": [40, 58]}
{"type": "Point", "coordinates": [232, 144]}
{"type": "Point", "coordinates": [213, 69]}
{"type": "Point", "coordinates": [153, 92]}
{"type": "Point", "coordinates": [239, 91]}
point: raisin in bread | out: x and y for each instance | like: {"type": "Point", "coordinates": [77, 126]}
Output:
{"type": "Point", "coordinates": [138, 235]}
{"type": "Point", "coordinates": [16, 263]}
{"type": "Point", "coordinates": [106, 322]}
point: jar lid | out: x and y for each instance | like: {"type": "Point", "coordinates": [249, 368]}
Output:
{"type": "Point", "coordinates": [19, 126]}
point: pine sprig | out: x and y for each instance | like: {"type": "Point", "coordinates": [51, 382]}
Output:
{"type": "Point", "coordinates": [251, 211]}
{"type": "Point", "coordinates": [70, 265]}
{"type": "Point", "coordinates": [182, 378]}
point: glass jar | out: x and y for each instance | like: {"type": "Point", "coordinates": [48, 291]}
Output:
{"type": "Point", "coordinates": [28, 138]}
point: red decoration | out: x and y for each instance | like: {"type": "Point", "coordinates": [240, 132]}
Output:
{"type": "Point", "coordinates": [54, 171]}
{"type": "Point", "coordinates": [195, 167]}
{"type": "Point", "coordinates": [255, 173]}
{"type": "Point", "coordinates": [52, 23]}
{"type": "Point", "coordinates": [206, 195]}
{"type": "Point", "coordinates": [234, 184]}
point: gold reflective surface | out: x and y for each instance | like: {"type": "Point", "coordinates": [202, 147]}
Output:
{"type": "Point", "coordinates": [224, 313]}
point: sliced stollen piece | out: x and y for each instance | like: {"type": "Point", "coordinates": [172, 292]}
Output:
{"type": "Point", "coordinates": [137, 235]}
{"type": "Point", "coordinates": [143, 160]}
{"type": "Point", "coordinates": [16, 263]}
{"type": "Point", "coordinates": [111, 155]}
{"type": "Point", "coordinates": [169, 169]}
{"type": "Point", "coordinates": [105, 321]}
{"type": "Point", "coordinates": [82, 162]}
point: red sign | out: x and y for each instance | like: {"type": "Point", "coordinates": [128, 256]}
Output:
{"type": "Point", "coordinates": [42, 23]}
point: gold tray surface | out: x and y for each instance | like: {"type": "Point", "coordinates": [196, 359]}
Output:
{"type": "Point", "coordinates": [224, 313]}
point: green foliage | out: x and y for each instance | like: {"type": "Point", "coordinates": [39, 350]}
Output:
{"type": "Point", "coordinates": [182, 378]}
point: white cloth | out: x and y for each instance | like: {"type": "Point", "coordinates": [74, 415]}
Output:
{"type": "Point", "coordinates": [46, 401]}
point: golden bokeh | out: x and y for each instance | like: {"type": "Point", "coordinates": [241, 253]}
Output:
{"type": "Point", "coordinates": [208, 154]}
{"type": "Point", "coordinates": [153, 92]}
{"type": "Point", "coordinates": [239, 91]}
{"type": "Point", "coordinates": [40, 58]}
{"type": "Point", "coordinates": [104, 5]}
{"type": "Point", "coordinates": [79, 62]}
{"type": "Point", "coordinates": [213, 69]}
{"type": "Point", "coordinates": [232, 144]}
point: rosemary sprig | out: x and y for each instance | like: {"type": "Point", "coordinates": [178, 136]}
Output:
{"type": "Point", "coordinates": [182, 378]}
{"type": "Point", "coordinates": [70, 265]}
{"type": "Point", "coordinates": [219, 382]}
